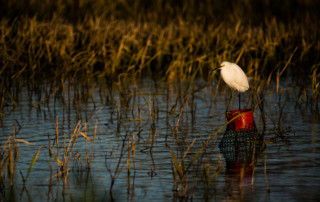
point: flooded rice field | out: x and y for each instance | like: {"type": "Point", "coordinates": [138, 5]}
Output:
{"type": "Point", "coordinates": [156, 141]}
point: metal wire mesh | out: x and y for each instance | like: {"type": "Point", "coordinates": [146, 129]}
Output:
{"type": "Point", "coordinates": [241, 146]}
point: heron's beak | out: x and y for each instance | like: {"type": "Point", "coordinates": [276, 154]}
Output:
{"type": "Point", "coordinates": [216, 68]}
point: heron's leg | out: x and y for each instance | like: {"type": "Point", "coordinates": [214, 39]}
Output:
{"type": "Point", "coordinates": [239, 101]}
{"type": "Point", "coordinates": [231, 97]}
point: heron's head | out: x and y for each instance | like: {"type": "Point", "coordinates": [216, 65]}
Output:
{"type": "Point", "coordinates": [224, 63]}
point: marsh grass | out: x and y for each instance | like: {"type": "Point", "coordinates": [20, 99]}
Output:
{"type": "Point", "coordinates": [65, 51]}
{"type": "Point", "coordinates": [123, 50]}
{"type": "Point", "coordinates": [68, 154]}
{"type": "Point", "coordinates": [10, 156]}
{"type": "Point", "coordinates": [136, 135]}
{"type": "Point", "coordinates": [181, 169]}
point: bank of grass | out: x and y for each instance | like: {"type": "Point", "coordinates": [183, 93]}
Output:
{"type": "Point", "coordinates": [63, 41]}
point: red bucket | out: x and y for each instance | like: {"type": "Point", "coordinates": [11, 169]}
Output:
{"type": "Point", "coordinates": [244, 121]}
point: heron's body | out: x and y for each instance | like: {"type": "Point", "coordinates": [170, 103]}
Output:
{"type": "Point", "coordinates": [234, 77]}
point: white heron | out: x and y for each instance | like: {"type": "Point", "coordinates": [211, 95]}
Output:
{"type": "Point", "coordinates": [234, 77]}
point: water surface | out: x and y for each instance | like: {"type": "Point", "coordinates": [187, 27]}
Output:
{"type": "Point", "coordinates": [285, 168]}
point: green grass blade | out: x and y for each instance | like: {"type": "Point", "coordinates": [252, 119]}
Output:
{"type": "Point", "coordinates": [11, 98]}
{"type": "Point", "coordinates": [176, 164]}
{"type": "Point", "coordinates": [58, 160]}
{"type": "Point", "coordinates": [32, 164]}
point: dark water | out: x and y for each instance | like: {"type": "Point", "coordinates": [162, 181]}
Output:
{"type": "Point", "coordinates": [285, 168]}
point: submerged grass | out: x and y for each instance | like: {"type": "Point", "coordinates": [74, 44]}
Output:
{"type": "Point", "coordinates": [130, 142]}
{"type": "Point", "coordinates": [9, 157]}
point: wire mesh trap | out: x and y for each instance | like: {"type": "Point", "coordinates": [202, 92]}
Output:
{"type": "Point", "coordinates": [241, 147]}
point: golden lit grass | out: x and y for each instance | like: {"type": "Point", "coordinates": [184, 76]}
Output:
{"type": "Point", "coordinates": [98, 47]}
{"type": "Point", "coordinates": [78, 54]}
{"type": "Point", "coordinates": [123, 50]}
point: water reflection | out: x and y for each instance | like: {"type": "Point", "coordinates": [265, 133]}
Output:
{"type": "Point", "coordinates": [132, 131]}
{"type": "Point", "coordinates": [241, 150]}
